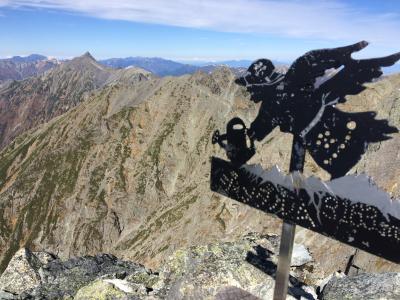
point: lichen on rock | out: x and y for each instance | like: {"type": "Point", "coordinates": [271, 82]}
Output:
{"type": "Point", "coordinates": [22, 272]}
{"type": "Point", "coordinates": [364, 287]}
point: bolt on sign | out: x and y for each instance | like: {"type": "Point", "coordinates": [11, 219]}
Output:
{"type": "Point", "coordinates": [348, 208]}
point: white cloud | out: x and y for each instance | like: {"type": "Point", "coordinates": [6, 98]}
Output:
{"type": "Point", "coordinates": [318, 19]}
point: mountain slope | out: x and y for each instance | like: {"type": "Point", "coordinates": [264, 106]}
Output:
{"type": "Point", "coordinates": [18, 68]}
{"type": "Point", "coordinates": [28, 103]}
{"type": "Point", "coordinates": [127, 172]}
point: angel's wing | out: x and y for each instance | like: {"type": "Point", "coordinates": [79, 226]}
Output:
{"type": "Point", "coordinates": [339, 140]}
{"type": "Point", "coordinates": [303, 79]}
{"type": "Point", "coordinates": [335, 139]}
{"type": "Point", "coordinates": [304, 72]}
{"type": "Point", "coordinates": [351, 78]}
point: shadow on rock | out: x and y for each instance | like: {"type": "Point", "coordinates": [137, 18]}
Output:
{"type": "Point", "coordinates": [262, 260]}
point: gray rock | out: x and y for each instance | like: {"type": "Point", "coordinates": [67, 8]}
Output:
{"type": "Point", "coordinates": [324, 282]}
{"type": "Point", "coordinates": [64, 278]}
{"type": "Point", "coordinates": [300, 256]}
{"type": "Point", "coordinates": [4, 295]}
{"type": "Point", "coordinates": [42, 275]}
{"type": "Point", "coordinates": [111, 289]}
{"type": "Point", "coordinates": [234, 293]}
{"type": "Point", "coordinates": [244, 269]}
{"type": "Point", "coordinates": [241, 270]}
{"type": "Point", "coordinates": [22, 272]}
{"type": "Point", "coordinates": [364, 286]}
{"type": "Point", "coordinates": [45, 257]}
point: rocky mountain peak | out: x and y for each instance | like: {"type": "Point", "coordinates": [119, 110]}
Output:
{"type": "Point", "coordinates": [33, 101]}
{"type": "Point", "coordinates": [85, 62]}
{"type": "Point", "coordinates": [215, 80]}
{"type": "Point", "coordinates": [88, 55]}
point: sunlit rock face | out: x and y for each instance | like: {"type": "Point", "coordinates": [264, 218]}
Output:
{"type": "Point", "coordinates": [364, 286]}
{"type": "Point", "coordinates": [246, 267]}
{"type": "Point", "coordinates": [22, 272]}
{"type": "Point", "coordinates": [42, 275]}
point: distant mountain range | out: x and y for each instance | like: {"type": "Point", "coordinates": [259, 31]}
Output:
{"type": "Point", "coordinates": [242, 63]}
{"type": "Point", "coordinates": [27, 103]}
{"type": "Point", "coordinates": [158, 66]}
{"type": "Point", "coordinates": [27, 59]}
{"type": "Point", "coordinates": [165, 67]}
{"type": "Point", "coordinates": [18, 68]}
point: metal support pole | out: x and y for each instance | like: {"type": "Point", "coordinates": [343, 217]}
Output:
{"type": "Point", "coordinates": [285, 255]}
{"type": "Point", "coordinates": [288, 229]}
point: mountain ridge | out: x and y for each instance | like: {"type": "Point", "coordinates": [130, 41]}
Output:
{"type": "Point", "coordinates": [19, 68]}
{"type": "Point", "coordinates": [156, 65]}
{"type": "Point", "coordinates": [33, 101]}
{"type": "Point", "coordinates": [36, 64]}
{"type": "Point", "coordinates": [127, 172]}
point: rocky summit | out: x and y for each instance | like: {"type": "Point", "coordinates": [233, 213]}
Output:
{"type": "Point", "coordinates": [244, 269]}
{"type": "Point", "coordinates": [119, 164]}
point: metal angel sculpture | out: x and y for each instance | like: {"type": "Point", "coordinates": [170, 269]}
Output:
{"type": "Point", "coordinates": [303, 102]}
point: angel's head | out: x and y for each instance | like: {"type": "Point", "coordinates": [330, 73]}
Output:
{"type": "Point", "coordinates": [259, 79]}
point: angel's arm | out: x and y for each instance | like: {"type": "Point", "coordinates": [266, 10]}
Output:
{"type": "Point", "coordinates": [262, 125]}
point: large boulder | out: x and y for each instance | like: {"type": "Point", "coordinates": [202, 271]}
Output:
{"type": "Point", "coordinates": [241, 270]}
{"type": "Point", "coordinates": [112, 289]}
{"type": "Point", "coordinates": [42, 275]}
{"type": "Point", "coordinates": [364, 286]}
{"type": "Point", "coordinates": [22, 272]}
{"type": "Point", "coordinates": [65, 278]}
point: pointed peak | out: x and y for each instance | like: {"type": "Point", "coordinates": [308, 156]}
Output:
{"type": "Point", "coordinates": [88, 55]}
{"type": "Point", "coordinates": [84, 61]}
{"type": "Point", "coordinates": [85, 58]}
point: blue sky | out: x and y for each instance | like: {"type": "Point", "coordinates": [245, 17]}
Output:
{"type": "Point", "coordinates": [196, 30]}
